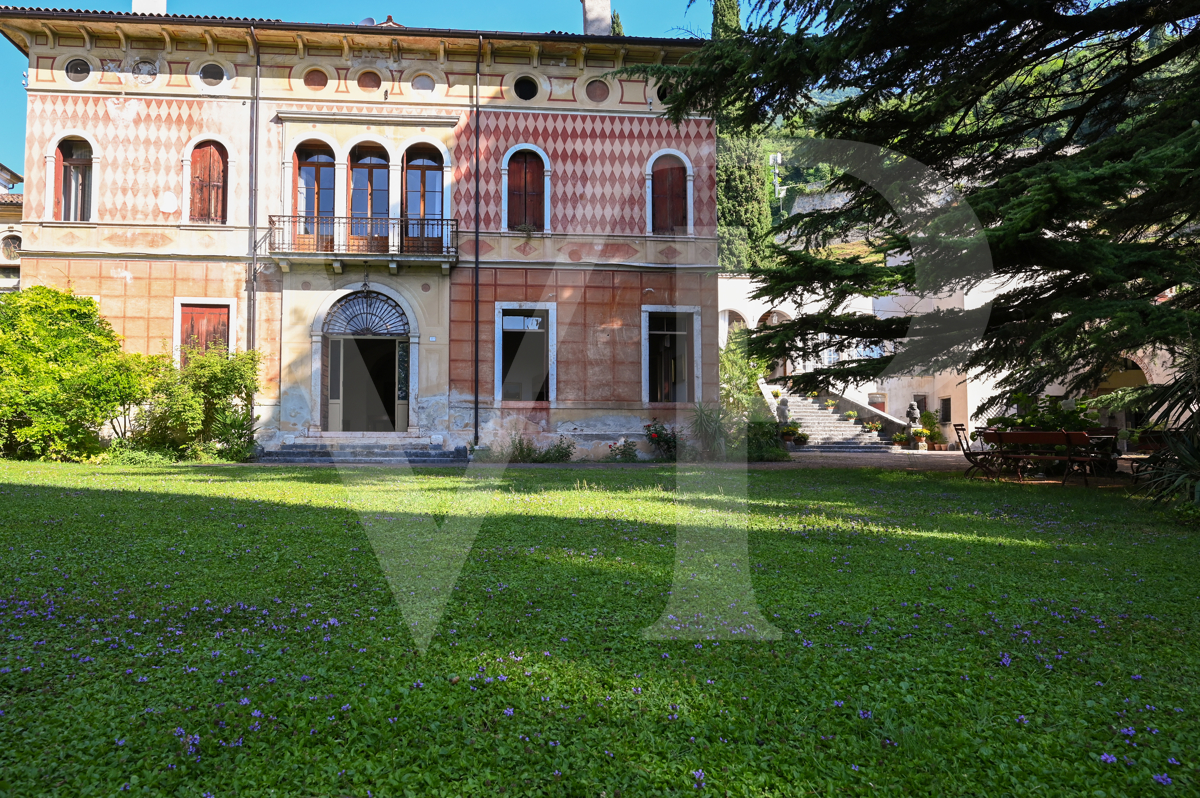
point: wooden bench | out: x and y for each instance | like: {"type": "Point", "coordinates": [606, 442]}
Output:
{"type": "Point", "coordinates": [1081, 451]}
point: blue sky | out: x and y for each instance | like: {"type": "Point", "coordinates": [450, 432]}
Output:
{"type": "Point", "coordinates": [640, 18]}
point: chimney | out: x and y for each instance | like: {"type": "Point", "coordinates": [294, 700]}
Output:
{"type": "Point", "coordinates": [597, 17]}
{"type": "Point", "coordinates": [150, 6]}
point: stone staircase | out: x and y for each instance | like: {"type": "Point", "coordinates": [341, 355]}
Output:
{"type": "Point", "coordinates": [330, 449]}
{"type": "Point", "coordinates": [829, 431]}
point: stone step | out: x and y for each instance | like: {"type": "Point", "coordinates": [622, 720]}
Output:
{"type": "Point", "coordinates": [426, 461]}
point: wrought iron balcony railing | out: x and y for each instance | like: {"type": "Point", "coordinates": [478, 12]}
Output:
{"type": "Point", "coordinates": [402, 237]}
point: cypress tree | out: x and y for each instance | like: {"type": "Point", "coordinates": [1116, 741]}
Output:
{"type": "Point", "coordinates": [743, 199]}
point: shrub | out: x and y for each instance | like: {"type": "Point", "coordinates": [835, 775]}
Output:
{"type": "Point", "coordinates": [184, 402]}
{"type": "Point", "coordinates": [234, 428]}
{"type": "Point", "coordinates": [762, 442]}
{"type": "Point", "coordinates": [560, 451]}
{"type": "Point", "coordinates": [900, 437]}
{"type": "Point", "coordinates": [739, 373]}
{"type": "Point", "coordinates": [709, 429]}
{"type": "Point", "coordinates": [663, 439]}
{"type": "Point", "coordinates": [929, 420]}
{"type": "Point", "coordinates": [121, 452]}
{"type": "Point", "coordinates": [624, 451]}
{"type": "Point", "coordinates": [50, 344]}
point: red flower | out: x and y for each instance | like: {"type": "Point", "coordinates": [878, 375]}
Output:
{"type": "Point", "coordinates": [653, 434]}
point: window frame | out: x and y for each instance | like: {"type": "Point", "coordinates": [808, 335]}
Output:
{"type": "Point", "coordinates": [697, 353]}
{"type": "Point", "coordinates": [551, 353]}
{"type": "Point", "coordinates": [177, 323]}
{"type": "Point", "coordinates": [689, 193]}
{"type": "Point", "coordinates": [75, 166]}
{"type": "Point", "coordinates": [222, 152]}
{"type": "Point", "coordinates": [513, 151]}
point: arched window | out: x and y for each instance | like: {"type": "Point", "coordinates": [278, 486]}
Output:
{"type": "Point", "coordinates": [423, 200]}
{"type": "Point", "coordinates": [369, 198]}
{"type": "Point", "coordinates": [423, 183]}
{"type": "Point", "coordinates": [210, 172]}
{"type": "Point", "coordinates": [73, 178]}
{"type": "Point", "coordinates": [313, 180]}
{"type": "Point", "coordinates": [669, 196]}
{"type": "Point", "coordinates": [526, 192]}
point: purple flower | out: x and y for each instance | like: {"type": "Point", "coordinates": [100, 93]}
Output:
{"type": "Point", "coordinates": [1005, 660]}
{"type": "Point", "coordinates": [1129, 731]}
{"type": "Point", "coordinates": [1107, 758]}
{"type": "Point", "coordinates": [1137, 677]}
{"type": "Point", "coordinates": [508, 711]}
{"type": "Point", "coordinates": [854, 767]}
{"type": "Point", "coordinates": [1162, 778]}
{"type": "Point", "coordinates": [1172, 761]}
{"type": "Point", "coordinates": [865, 714]}
{"type": "Point", "coordinates": [120, 742]}
{"type": "Point", "coordinates": [1022, 719]}
{"type": "Point", "coordinates": [837, 703]}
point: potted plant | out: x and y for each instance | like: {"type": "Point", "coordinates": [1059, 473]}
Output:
{"type": "Point", "coordinates": [899, 439]}
{"type": "Point", "coordinates": [801, 438]}
{"type": "Point", "coordinates": [872, 426]}
{"type": "Point", "coordinates": [814, 394]}
{"type": "Point", "coordinates": [775, 393]}
{"type": "Point", "coordinates": [850, 415]}
{"type": "Point", "coordinates": [788, 432]}
{"type": "Point", "coordinates": [830, 404]}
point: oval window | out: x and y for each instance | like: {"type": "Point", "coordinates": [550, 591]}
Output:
{"type": "Point", "coordinates": [369, 81]}
{"type": "Point", "coordinates": [212, 74]}
{"type": "Point", "coordinates": [78, 70]}
{"type": "Point", "coordinates": [597, 91]}
{"type": "Point", "coordinates": [526, 88]}
{"type": "Point", "coordinates": [316, 79]}
{"type": "Point", "coordinates": [664, 94]}
{"type": "Point", "coordinates": [423, 83]}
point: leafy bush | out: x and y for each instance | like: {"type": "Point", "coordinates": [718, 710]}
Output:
{"type": "Point", "coordinates": [739, 373]}
{"type": "Point", "coordinates": [762, 442]}
{"type": "Point", "coordinates": [184, 402]}
{"type": "Point", "coordinates": [624, 451]}
{"type": "Point", "coordinates": [123, 453]}
{"type": "Point", "coordinates": [51, 343]}
{"type": "Point", "coordinates": [560, 451]}
{"type": "Point", "coordinates": [520, 449]}
{"type": "Point", "coordinates": [663, 439]}
{"type": "Point", "coordinates": [1047, 413]}
{"type": "Point", "coordinates": [929, 420]}
{"type": "Point", "coordinates": [900, 437]}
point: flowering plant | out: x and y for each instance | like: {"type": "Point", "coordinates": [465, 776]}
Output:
{"type": "Point", "coordinates": [851, 414]}
{"type": "Point", "coordinates": [900, 437]}
{"type": "Point", "coordinates": [918, 432]}
{"type": "Point", "coordinates": [664, 439]}
{"type": "Point", "coordinates": [830, 403]}
{"type": "Point", "coordinates": [872, 426]}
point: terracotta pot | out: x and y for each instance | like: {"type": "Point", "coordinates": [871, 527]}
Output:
{"type": "Point", "coordinates": [788, 437]}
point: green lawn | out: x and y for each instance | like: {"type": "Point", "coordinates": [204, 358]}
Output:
{"type": "Point", "coordinates": [171, 629]}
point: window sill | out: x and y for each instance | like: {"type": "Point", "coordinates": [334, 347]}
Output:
{"type": "Point", "coordinates": [514, 405]}
{"type": "Point", "coordinates": [59, 223]}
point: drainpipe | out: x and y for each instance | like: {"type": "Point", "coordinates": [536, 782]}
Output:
{"type": "Point", "coordinates": [478, 58]}
{"type": "Point", "coordinates": [251, 324]}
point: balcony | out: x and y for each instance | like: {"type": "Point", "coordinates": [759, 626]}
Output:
{"type": "Point", "coordinates": [338, 238]}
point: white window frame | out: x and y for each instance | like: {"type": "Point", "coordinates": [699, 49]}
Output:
{"type": "Point", "coordinates": [552, 355]}
{"type": "Point", "coordinates": [697, 355]}
{"type": "Point", "coordinates": [546, 203]}
{"type": "Point", "coordinates": [94, 208]}
{"type": "Point", "coordinates": [177, 324]}
{"type": "Point", "coordinates": [691, 178]}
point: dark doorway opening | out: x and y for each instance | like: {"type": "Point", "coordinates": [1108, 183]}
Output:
{"type": "Point", "coordinates": [369, 385]}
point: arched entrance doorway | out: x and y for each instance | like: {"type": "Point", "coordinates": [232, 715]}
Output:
{"type": "Point", "coordinates": [365, 360]}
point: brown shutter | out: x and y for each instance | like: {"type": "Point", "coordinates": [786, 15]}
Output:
{"type": "Point", "coordinates": [209, 168]}
{"type": "Point", "coordinates": [516, 191]}
{"type": "Point", "coordinates": [58, 183]}
{"type": "Point", "coordinates": [668, 194]}
{"type": "Point", "coordinates": [678, 199]}
{"type": "Point", "coordinates": [534, 199]}
{"type": "Point", "coordinates": [200, 159]}
{"type": "Point", "coordinates": [204, 326]}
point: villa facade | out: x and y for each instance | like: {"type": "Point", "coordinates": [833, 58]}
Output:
{"type": "Point", "coordinates": [427, 234]}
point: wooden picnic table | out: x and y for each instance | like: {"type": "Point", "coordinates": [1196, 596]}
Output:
{"type": "Point", "coordinates": [1082, 451]}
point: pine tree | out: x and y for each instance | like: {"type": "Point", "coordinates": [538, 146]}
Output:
{"type": "Point", "coordinates": [1070, 129]}
{"type": "Point", "coordinates": [743, 199]}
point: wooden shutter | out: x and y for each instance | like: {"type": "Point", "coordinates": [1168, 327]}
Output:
{"type": "Point", "coordinates": [534, 195]}
{"type": "Point", "coordinates": [204, 326]}
{"type": "Point", "coordinates": [516, 191]}
{"type": "Point", "coordinates": [209, 167]}
{"type": "Point", "coordinates": [669, 196]}
{"type": "Point", "coordinates": [58, 183]}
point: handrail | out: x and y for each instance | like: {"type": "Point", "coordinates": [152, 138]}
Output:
{"type": "Point", "coordinates": [357, 235]}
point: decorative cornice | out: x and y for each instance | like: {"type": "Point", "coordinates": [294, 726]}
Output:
{"type": "Point", "coordinates": [363, 118]}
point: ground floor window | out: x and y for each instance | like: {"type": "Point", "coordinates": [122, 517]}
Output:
{"type": "Point", "coordinates": [524, 347]}
{"type": "Point", "coordinates": [669, 362]}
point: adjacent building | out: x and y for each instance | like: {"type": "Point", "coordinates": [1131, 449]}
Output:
{"type": "Point", "coordinates": [428, 234]}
